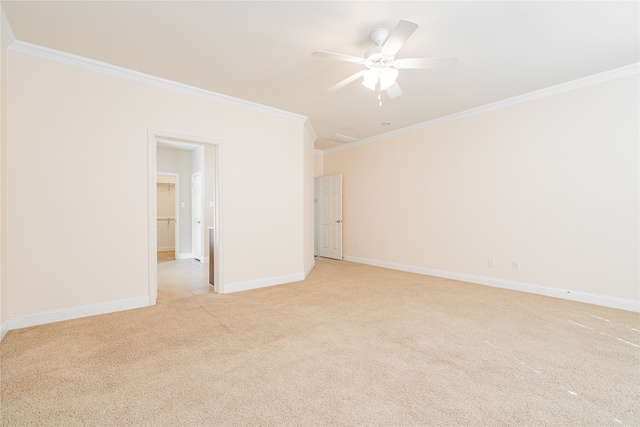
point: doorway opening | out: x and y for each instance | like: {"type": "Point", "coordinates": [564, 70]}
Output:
{"type": "Point", "coordinates": [168, 214]}
{"type": "Point", "coordinates": [329, 216]}
{"type": "Point", "coordinates": [183, 156]}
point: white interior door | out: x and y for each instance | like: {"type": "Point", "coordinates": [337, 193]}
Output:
{"type": "Point", "coordinates": [197, 236]}
{"type": "Point", "coordinates": [331, 216]}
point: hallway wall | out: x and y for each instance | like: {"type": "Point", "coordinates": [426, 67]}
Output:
{"type": "Point", "coordinates": [76, 127]}
{"type": "Point", "coordinates": [3, 188]}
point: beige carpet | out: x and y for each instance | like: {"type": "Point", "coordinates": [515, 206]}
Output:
{"type": "Point", "coordinates": [352, 345]}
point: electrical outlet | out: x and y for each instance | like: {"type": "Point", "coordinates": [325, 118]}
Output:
{"type": "Point", "coordinates": [492, 262]}
{"type": "Point", "coordinates": [516, 265]}
{"type": "Point", "coordinates": [355, 247]}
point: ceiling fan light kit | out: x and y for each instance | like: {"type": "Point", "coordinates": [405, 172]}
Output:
{"type": "Point", "coordinates": [388, 77]}
{"type": "Point", "coordinates": [382, 66]}
{"type": "Point", "coordinates": [370, 78]}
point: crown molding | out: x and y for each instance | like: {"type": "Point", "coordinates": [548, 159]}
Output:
{"type": "Point", "coordinates": [7, 32]}
{"type": "Point", "coordinates": [309, 127]}
{"type": "Point", "coordinates": [616, 73]}
{"type": "Point", "coordinates": [127, 74]}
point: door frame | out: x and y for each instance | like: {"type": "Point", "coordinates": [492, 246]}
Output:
{"type": "Point", "coordinates": [194, 234]}
{"type": "Point", "coordinates": [321, 209]}
{"type": "Point", "coordinates": [153, 136]}
{"type": "Point", "coordinates": [316, 216]}
{"type": "Point", "coordinates": [176, 176]}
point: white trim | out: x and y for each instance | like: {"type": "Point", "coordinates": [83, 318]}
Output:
{"type": "Point", "coordinates": [218, 263]}
{"type": "Point", "coordinates": [602, 300]}
{"type": "Point", "coordinates": [76, 313]}
{"type": "Point", "coordinates": [262, 283]}
{"type": "Point", "coordinates": [125, 73]}
{"type": "Point", "coordinates": [316, 217]}
{"type": "Point", "coordinates": [152, 213]}
{"type": "Point", "coordinates": [553, 90]}
{"type": "Point", "coordinates": [605, 301]}
{"type": "Point", "coordinates": [311, 266]}
{"type": "Point", "coordinates": [318, 151]}
{"type": "Point", "coordinates": [309, 127]}
{"type": "Point", "coordinates": [7, 32]}
{"type": "Point", "coordinates": [4, 329]}
{"type": "Point", "coordinates": [184, 256]}
{"type": "Point", "coordinates": [194, 234]}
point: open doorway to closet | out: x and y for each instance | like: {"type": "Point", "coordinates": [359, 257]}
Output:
{"type": "Point", "coordinates": [168, 214]}
{"type": "Point", "coordinates": [180, 267]}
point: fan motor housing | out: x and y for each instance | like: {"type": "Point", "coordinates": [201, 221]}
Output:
{"type": "Point", "coordinates": [379, 36]}
{"type": "Point", "coordinates": [374, 58]}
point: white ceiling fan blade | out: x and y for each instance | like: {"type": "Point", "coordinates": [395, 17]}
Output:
{"type": "Point", "coordinates": [398, 36]}
{"type": "Point", "coordinates": [346, 81]}
{"type": "Point", "coordinates": [394, 90]}
{"type": "Point", "coordinates": [337, 56]}
{"type": "Point", "coordinates": [406, 63]}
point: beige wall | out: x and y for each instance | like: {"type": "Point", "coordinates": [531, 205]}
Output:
{"type": "Point", "coordinates": [70, 128]}
{"type": "Point", "coordinates": [318, 159]}
{"type": "Point", "coordinates": [552, 183]}
{"type": "Point", "coordinates": [3, 191]}
{"type": "Point", "coordinates": [309, 196]}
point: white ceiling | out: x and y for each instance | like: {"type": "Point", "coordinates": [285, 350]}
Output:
{"type": "Point", "coordinates": [261, 51]}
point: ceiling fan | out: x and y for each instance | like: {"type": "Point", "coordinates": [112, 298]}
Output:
{"type": "Point", "coordinates": [380, 61]}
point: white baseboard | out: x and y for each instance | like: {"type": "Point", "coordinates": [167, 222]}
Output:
{"type": "Point", "coordinates": [262, 283]}
{"type": "Point", "coordinates": [166, 248]}
{"type": "Point", "coordinates": [308, 270]}
{"type": "Point", "coordinates": [4, 329]}
{"type": "Point", "coordinates": [605, 301]}
{"type": "Point", "coordinates": [205, 260]}
{"type": "Point", "coordinates": [77, 312]}
{"type": "Point", "coordinates": [185, 255]}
